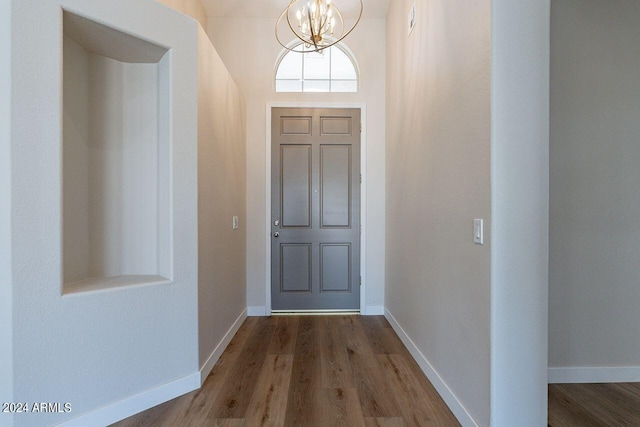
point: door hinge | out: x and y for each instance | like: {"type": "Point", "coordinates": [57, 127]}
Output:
{"type": "Point", "coordinates": [360, 178]}
{"type": "Point", "coordinates": [360, 127]}
{"type": "Point", "coordinates": [360, 280]}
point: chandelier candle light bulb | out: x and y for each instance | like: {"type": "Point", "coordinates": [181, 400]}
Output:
{"type": "Point", "coordinates": [317, 27]}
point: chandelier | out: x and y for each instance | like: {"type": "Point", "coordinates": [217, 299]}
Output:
{"type": "Point", "coordinates": [317, 24]}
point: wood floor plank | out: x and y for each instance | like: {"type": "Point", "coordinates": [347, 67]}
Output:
{"type": "Point", "coordinates": [198, 406]}
{"type": "Point", "coordinates": [319, 371]}
{"type": "Point", "coordinates": [233, 350]}
{"type": "Point", "coordinates": [564, 411]}
{"type": "Point", "coordinates": [594, 405]}
{"type": "Point", "coordinates": [602, 406]}
{"type": "Point", "coordinates": [284, 338]}
{"type": "Point", "coordinates": [384, 422]}
{"type": "Point", "coordinates": [342, 408]}
{"type": "Point", "coordinates": [384, 322]}
{"type": "Point", "coordinates": [233, 399]}
{"type": "Point", "coordinates": [631, 390]}
{"type": "Point", "coordinates": [335, 368]}
{"type": "Point", "coordinates": [419, 376]}
{"type": "Point", "coordinates": [154, 416]}
{"type": "Point", "coordinates": [382, 340]}
{"type": "Point", "coordinates": [376, 398]}
{"type": "Point", "coordinates": [269, 403]}
{"type": "Point", "coordinates": [621, 400]}
{"type": "Point", "coordinates": [305, 386]}
{"type": "Point", "coordinates": [418, 408]}
{"type": "Point", "coordinates": [227, 422]}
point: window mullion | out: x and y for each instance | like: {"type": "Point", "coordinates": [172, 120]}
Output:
{"type": "Point", "coordinates": [314, 84]}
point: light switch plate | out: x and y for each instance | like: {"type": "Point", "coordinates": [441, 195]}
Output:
{"type": "Point", "coordinates": [235, 222]}
{"type": "Point", "coordinates": [478, 231]}
{"type": "Point", "coordinates": [412, 18]}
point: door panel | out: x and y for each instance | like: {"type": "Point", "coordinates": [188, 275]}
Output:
{"type": "Point", "coordinates": [336, 126]}
{"type": "Point", "coordinates": [295, 180]}
{"type": "Point", "coordinates": [335, 267]}
{"type": "Point", "coordinates": [295, 126]}
{"type": "Point", "coordinates": [335, 185]}
{"type": "Point", "coordinates": [315, 233]}
{"type": "Point", "coordinates": [295, 263]}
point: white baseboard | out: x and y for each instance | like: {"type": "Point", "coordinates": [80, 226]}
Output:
{"type": "Point", "coordinates": [594, 374]}
{"type": "Point", "coordinates": [135, 404]}
{"type": "Point", "coordinates": [217, 352]}
{"type": "Point", "coordinates": [257, 311]}
{"type": "Point", "coordinates": [374, 310]}
{"type": "Point", "coordinates": [441, 387]}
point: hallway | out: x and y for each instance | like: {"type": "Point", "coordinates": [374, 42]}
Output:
{"type": "Point", "coordinates": [312, 371]}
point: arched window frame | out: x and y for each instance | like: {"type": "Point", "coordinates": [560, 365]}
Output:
{"type": "Point", "coordinates": [342, 47]}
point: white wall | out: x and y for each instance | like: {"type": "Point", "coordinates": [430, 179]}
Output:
{"type": "Point", "coordinates": [76, 241]}
{"type": "Point", "coordinates": [438, 181]}
{"type": "Point", "coordinates": [221, 195]}
{"type": "Point", "coordinates": [595, 191]}
{"type": "Point", "coordinates": [96, 350]}
{"type": "Point", "coordinates": [519, 227]}
{"type": "Point", "coordinates": [249, 50]}
{"type": "Point", "coordinates": [124, 169]}
{"type": "Point", "coordinates": [6, 294]}
{"type": "Point", "coordinates": [192, 8]}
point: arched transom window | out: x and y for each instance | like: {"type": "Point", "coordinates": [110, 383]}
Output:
{"type": "Point", "coordinates": [333, 70]}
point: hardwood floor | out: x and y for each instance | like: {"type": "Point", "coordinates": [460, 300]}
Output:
{"type": "Point", "coordinates": [309, 371]}
{"type": "Point", "coordinates": [594, 405]}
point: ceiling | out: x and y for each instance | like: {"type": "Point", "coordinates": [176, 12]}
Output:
{"type": "Point", "coordinates": [273, 8]}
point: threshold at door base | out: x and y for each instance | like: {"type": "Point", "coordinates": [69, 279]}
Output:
{"type": "Point", "coordinates": [315, 312]}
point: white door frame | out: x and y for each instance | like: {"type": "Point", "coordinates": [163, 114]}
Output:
{"type": "Point", "coordinates": [363, 191]}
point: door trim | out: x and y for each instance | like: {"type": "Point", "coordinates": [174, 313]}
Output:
{"type": "Point", "coordinates": [363, 192]}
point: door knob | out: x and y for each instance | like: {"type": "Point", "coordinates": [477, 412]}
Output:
{"type": "Point", "coordinates": [276, 234]}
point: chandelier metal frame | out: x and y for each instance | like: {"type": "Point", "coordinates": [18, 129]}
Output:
{"type": "Point", "coordinates": [321, 33]}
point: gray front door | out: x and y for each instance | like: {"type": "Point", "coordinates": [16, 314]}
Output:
{"type": "Point", "coordinates": [315, 209]}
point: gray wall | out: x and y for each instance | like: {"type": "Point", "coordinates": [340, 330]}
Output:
{"type": "Point", "coordinates": [438, 180]}
{"type": "Point", "coordinates": [594, 276]}
{"type": "Point", "coordinates": [221, 195]}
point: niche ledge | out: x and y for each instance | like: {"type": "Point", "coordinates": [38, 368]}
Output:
{"type": "Point", "coordinates": [102, 284]}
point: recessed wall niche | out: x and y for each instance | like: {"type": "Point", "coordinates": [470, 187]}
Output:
{"type": "Point", "coordinates": [116, 158]}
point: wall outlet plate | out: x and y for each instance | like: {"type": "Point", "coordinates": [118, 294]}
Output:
{"type": "Point", "coordinates": [235, 222]}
